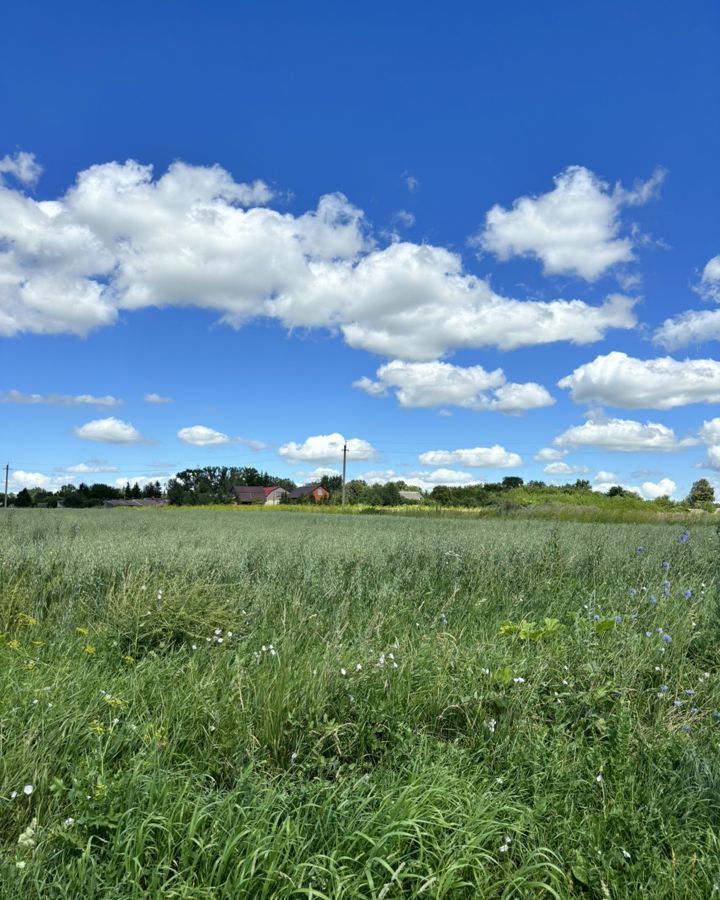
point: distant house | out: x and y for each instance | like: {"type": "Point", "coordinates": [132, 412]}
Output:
{"type": "Point", "coordinates": [145, 501]}
{"type": "Point", "coordinates": [265, 496]}
{"type": "Point", "coordinates": [314, 492]}
{"type": "Point", "coordinates": [411, 496]}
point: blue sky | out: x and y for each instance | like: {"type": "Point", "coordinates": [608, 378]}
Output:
{"type": "Point", "coordinates": [403, 224]}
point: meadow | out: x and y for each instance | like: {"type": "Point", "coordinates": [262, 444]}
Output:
{"type": "Point", "coordinates": [244, 704]}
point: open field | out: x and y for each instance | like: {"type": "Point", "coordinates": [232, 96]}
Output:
{"type": "Point", "coordinates": [232, 704]}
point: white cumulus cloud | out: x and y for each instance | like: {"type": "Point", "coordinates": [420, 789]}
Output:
{"type": "Point", "coordinates": [648, 490]}
{"type": "Point", "coordinates": [574, 229]}
{"type": "Point", "coordinates": [303, 477]}
{"type": "Point", "coordinates": [91, 468]}
{"type": "Point", "coordinates": [617, 379]}
{"type": "Point", "coordinates": [625, 435]}
{"type": "Point", "coordinates": [20, 479]}
{"type": "Point", "coordinates": [712, 458]}
{"type": "Point", "coordinates": [692, 327]}
{"type": "Point", "coordinates": [439, 384]}
{"type": "Point", "coordinates": [157, 398]}
{"type": "Point", "coordinates": [549, 454]}
{"type": "Point", "coordinates": [120, 239]}
{"type": "Point", "coordinates": [695, 326]}
{"type": "Point", "coordinates": [709, 286]}
{"type": "Point", "coordinates": [495, 457]}
{"type": "Point", "coordinates": [202, 436]}
{"type": "Point", "coordinates": [326, 448]}
{"type": "Point", "coordinates": [109, 431]}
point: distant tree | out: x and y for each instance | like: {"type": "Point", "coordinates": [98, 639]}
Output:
{"type": "Point", "coordinates": [701, 492]}
{"type": "Point", "coordinates": [332, 483]}
{"type": "Point", "coordinates": [441, 494]}
{"type": "Point", "coordinates": [617, 491]}
{"type": "Point", "coordinates": [23, 498]}
{"type": "Point", "coordinates": [512, 481]}
{"type": "Point", "coordinates": [135, 492]}
{"type": "Point", "coordinates": [99, 492]}
{"type": "Point", "coordinates": [127, 491]}
{"type": "Point", "coordinates": [582, 484]}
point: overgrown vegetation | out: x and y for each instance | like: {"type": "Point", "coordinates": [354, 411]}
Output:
{"type": "Point", "coordinates": [231, 704]}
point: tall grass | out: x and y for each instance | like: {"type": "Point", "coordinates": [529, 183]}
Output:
{"type": "Point", "coordinates": [216, 703]}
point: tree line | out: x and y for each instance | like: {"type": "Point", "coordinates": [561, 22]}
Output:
{"type": "Point", "coordinates": [213, 485]}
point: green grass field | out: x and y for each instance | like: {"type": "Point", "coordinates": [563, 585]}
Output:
{"type": "Point", "coordinates": [231, 704]}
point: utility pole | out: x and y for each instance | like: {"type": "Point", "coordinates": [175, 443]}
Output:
{"type": "Point", "coordinates": [344, 468]}
{"type": "Point", "coordinates": [7, 472]}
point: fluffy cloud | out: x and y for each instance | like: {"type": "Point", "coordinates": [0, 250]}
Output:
{"type": "Point", "coordinates": [426, 481]}
{"type": "Point", "coordinates": [109, 431]}
{"type": "Point", "coordinates": [648, 490]}
{"type": "Point", "coordinates": [695, 326]}
{"type": "Point", "coordinates": [22, 166]}
{"type": "Point", "coordinates": [625, 435]}
{"type": "Point", "coordinates": [439, 384]}
{"type": "Point", "coordinates": [692, 327]}
{"type": "Point", "coordinates": [157, 398]}
{"type": "Point", "coordinates": [315, 475]}
{"type": "Point", "coordinates": [712, 459]}
{"type": "Point", "coordinates": [709, 286]}
{"type": "Point", "coordinates": [710, 431]}
{"type": "Point", "coordinates": [91, 468]}
{"type": "Point", "coordinates": [574, 229]}
{"type": "Point", "coordinates": [118, 239]}
{"type": "Point", "coordinates": [140, 480]}
{"type": "Point", "coordinates": [202, 436]}
{"type": "Point", "coordinates": [495, 457]}
{"type": "Point", "coordinates": [561, 468]}
{"type": "Point", "coordinates": [621, 380]}
{"type": "Point", "coordinates": [326, 448]}
{"type": "Point", "coordinates": [710, 434]}
{"type": "Point", "coordinates": [548, 454]}
{"type": "Point", "coordinates": [20, 479]}
{"type": "Point", "coordinates": [59, 399]}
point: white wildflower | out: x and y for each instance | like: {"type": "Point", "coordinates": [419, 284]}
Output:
{"type": "Point", "coordinates": [28, 789]}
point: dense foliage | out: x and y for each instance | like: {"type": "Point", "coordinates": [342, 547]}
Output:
{"type": "Point", "coordinates": [232, 704]}
{"type": "Point", "coordinates": [214, 484]}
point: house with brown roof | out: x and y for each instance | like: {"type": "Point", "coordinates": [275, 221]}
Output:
{"type": "Point", "coordinates": [314, 492]}
{"type": "Point", "coordinates": [265, 496]}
